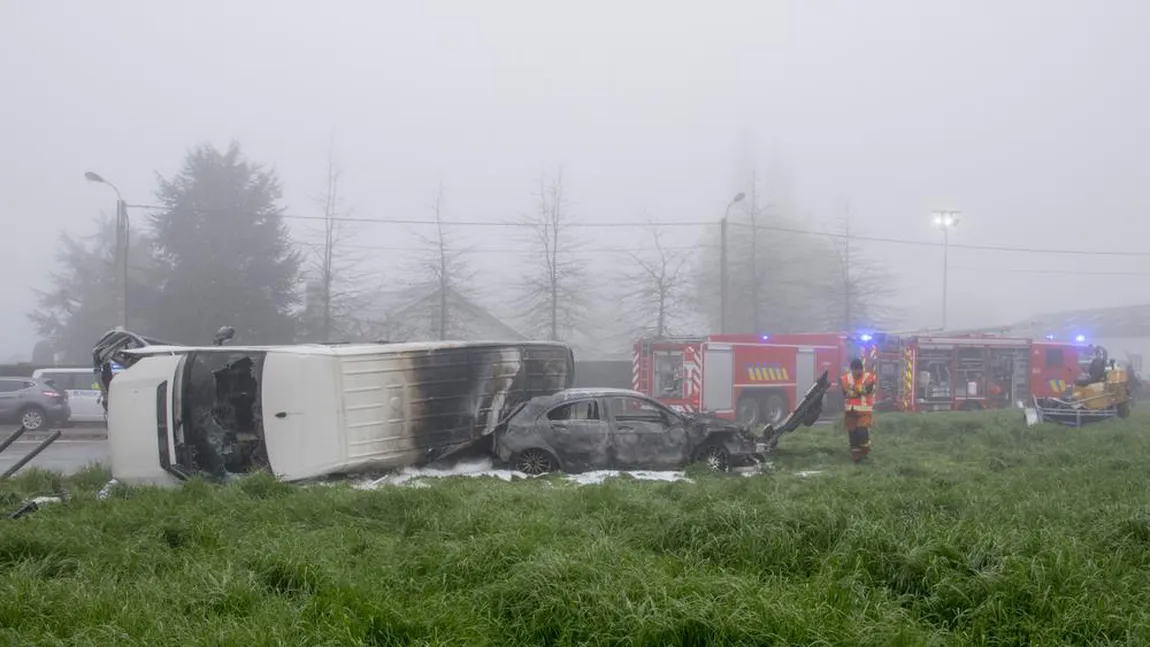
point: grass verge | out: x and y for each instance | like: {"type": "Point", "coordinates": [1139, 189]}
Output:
{"type": "Point", "coordinates": [964, 529]}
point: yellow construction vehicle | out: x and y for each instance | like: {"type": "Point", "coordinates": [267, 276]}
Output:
{"type": "Point", "coordinates": [1101, 393]}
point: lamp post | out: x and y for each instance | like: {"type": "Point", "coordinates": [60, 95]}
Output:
{"type": "Point", "coordinates": [122, 238]}
{"type": "Point", "coordinates": [946, 220]}
{"type": "Point", "coordinates": [723, 266]}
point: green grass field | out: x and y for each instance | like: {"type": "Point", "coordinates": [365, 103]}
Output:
{"type": "Point", "coordinates": [962, 530]}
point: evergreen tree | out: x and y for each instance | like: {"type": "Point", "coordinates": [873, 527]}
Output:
{"type": "Point", "coordinates": [224, 251]}
{"type": "Point", "coordinates": [83, 302]}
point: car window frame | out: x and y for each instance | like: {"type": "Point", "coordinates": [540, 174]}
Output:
{"type": "Point", "coordinates": [671, 419]}
{"type": "Point", "coordinates": [546, 413]}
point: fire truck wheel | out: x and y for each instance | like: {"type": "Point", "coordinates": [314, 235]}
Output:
{"type": "Point", "coordinates": [774, 408]}
{"type": "Point", "coordinates": [747, 411]}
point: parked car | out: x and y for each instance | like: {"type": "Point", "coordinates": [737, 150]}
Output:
{"type": "Point", "coordinates": [585, 429]}
{"type": "Point", "coordinates": [33, 403]}
{"type": "Point", "coordinates": [82, 387]}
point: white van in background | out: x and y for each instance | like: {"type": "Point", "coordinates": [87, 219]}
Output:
{"type": "Point", "coordinates": [82, 387]}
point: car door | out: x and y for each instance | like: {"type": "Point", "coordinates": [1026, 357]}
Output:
{"type": "Point", "coordinates": [580, 434]}
{"type": "Point", "coordinates": [646, 435]}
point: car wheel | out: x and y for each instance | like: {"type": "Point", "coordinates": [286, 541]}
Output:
{"type": "Point", "coordinates": [774, 409]}
{"type": "Point", "coordinates": [33, 418]}
{"type": "Point", "coordinates": [747, 411]}
{"type": "Point", "coordinates": [714, 457]}
{"type": "Point", "coordinates": [534, 462]}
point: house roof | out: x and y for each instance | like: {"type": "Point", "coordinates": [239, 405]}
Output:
{"type": "Point", "coordinates": [411, 303]}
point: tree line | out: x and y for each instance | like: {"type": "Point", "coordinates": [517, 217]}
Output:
{"type": "Point", "coordinates": [218, 251]}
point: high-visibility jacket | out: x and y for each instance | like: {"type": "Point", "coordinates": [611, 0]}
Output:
{"type": "Point", "coordinates": [864, 400]}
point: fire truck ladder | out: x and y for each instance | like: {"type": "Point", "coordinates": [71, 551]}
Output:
{"type": "Point", "coordinates": [641, 370]}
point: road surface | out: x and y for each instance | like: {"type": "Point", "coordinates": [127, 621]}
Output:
{"type": "Point", "coordinates": [76, 448]}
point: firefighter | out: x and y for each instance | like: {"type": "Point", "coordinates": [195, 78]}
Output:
{"type": "Point", "coordinates": [858, 389]}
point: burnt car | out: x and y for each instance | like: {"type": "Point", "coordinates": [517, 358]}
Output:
{"type": "Point", "coordinates": [582, 429]}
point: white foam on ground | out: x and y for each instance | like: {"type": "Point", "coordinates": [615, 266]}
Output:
{"type": "Point", "coordinates": [417, 477]}
{"type": "Point", "coordinates": [484, 467]}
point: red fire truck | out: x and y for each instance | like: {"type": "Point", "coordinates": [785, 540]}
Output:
{"type": "Point", "coordinates": [756, 379]}
{"type": "Point", "coordinates": [970, 372]}
{"type": "Point", "coordinates": [750, 378]}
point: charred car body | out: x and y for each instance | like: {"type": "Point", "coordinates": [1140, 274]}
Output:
{"type": "Point", "coordinates": [585, 429]}
{"type": "Point", "coordinates": [310, 410]}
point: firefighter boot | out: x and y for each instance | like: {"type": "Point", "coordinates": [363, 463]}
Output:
{"type": "Point", "coordinates": [856, 440]}
{"type": "Point", "coordinates": [863, 442]}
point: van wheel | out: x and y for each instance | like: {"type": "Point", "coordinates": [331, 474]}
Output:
{"type": "Point", "coordinates": [535, 462]}
{"type": "Point", "coordinates": [774, 409]}
{"type": "Point", "coordinates": [33, 418]}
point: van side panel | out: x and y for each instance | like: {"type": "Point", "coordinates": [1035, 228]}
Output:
{"type": "Point", "coordinates": [135, 421]}
{"type": "Point", "coordinates": [302, 416]}
{"type": "Point", "coordinates": [326, 414]}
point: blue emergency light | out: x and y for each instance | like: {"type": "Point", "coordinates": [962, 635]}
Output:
{"type": "Point", "coordinates": [1080, 338]}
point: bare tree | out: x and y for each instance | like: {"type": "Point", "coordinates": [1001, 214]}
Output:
{"type": "Point", "coordinates": [448, 274]}
{"type": "Point", "coordinates": [334, 271]}
{"type": "Point", "coordinates": [862, 292]}
{"type": "Point", "coordinates": [657, 286]}
{"type": "Point", "coordinates": [552, 293]}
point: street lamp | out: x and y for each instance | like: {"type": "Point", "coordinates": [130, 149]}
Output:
{"type": "Point", "coordinates": [723, 266]}
{"type": "Point", "coordinates": [122, 238]}
{"type": "Point", "coordinates": [945, 220]}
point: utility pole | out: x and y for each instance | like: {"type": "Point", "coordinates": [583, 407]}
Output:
{"type": "Point", "coordinates": [754, 253]}
{"type": "Point", "coordinates": [723, 266]}
{"type": "Point", "coordinates": [847, 286]}
{"type": "Point", "coordinates": [123, 236]}
{"type": "Point", "coordinates": [123, 231]}
{"type": "Point", "coordinates": [945, 220]}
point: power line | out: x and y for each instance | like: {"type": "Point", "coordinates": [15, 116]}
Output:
{"type": "Point", "coordinates": [758, 227]}
{"type": "Point", "coordinates": [997, 270]}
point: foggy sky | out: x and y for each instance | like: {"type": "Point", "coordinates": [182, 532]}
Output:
{"type": "Point", "coordinates": [1029, 116]}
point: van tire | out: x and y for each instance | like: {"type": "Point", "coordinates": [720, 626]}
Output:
{"type": "Point", "coordinates": [33, 418]}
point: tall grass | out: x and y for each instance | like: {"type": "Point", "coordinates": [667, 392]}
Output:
{"type": "Point", "coordinates": [962, 530]}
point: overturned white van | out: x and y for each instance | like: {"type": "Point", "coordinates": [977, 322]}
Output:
{"type": "Point", "coordinates": [311, 410]}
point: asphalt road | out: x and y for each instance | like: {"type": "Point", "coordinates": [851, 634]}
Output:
{"type": "Point", "coordinates": [76, 448]}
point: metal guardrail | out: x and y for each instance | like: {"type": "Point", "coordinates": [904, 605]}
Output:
{"type": "Point", "coordinates": [30, 455]}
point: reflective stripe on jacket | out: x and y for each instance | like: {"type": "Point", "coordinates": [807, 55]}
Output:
{"type": "Point", "coordinates": [861, 401]}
